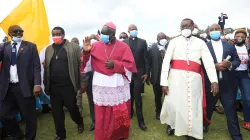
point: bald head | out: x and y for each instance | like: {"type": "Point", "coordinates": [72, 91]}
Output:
{"type": "Point", "coordinates": [15, 30]}
{"type": "Point", "coordinates": [75, 40]}
{"type": "Point", "coordinates": [214, 27]}
{"type": "Point", "coordinates": [132, 27]}
{"type": "Point", "coordinates": [160, 36]}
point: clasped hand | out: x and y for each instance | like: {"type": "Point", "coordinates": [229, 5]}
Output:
{"type": "Point", "coordinates": [109, 64]}
{"type": "Point", "coordinates": [223, 65]}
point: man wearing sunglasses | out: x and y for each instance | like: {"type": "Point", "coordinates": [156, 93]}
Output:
{"type": "Point", "coordinates": [21, 73]}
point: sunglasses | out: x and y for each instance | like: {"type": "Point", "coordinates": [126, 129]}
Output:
{"type": "Point", "coordinates": [18, 31]}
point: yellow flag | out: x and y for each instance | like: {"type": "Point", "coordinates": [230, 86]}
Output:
{"type": "Point", "coordinates": [31, 16]}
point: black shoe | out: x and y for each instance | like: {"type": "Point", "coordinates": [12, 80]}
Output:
{"type": "Point", "coordinates": [92, 127]}
{"type": "Point", "coordinates": [80, 128]}
{"type": "Point", "coordinates": [142, 126]}
{"type": "Point", "coordinates": [170, 131]}
{"type": "Point", "coordinates": [46, 108]}
{"type": "Point", "coordinates": [157, 116]}
{"type": "Point", "coordinates": [205, 128]}
{"type": "Point", "coordinates": [190, 138]}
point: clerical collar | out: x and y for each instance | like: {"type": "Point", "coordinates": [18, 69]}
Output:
{"type": "Point", "coordinates": [133, 38]}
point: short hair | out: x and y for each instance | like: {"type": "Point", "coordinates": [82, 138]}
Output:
{"type": "Point", "coordinates": [192, 22]}
{"type": "Point", "coordinates": [59, 28]}
{"type": "Point", "coordinates": [124, 33]}
{"type": "Point", "coordinates": [241, 31]}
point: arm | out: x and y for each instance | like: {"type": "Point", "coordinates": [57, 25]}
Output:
{"type": "Point", "coordinates": [235, 58]}
{"type": "Point", "coordinates": [166, 64]}
{"type": "Point", "coordinates": [126, 64]}
{"type": "Point", "coordinates": [208, 62]}
{"type": "Point", "coordinates": [150, 60]}
{"type": "Point", "coordinates": [1, 51]}
{"type": "Point", "coordinates": [145, 54]}
{"type": "Point", "coordinates": [36, 66]}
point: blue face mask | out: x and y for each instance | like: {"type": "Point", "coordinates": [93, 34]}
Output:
{"type": "Point", "coordinates": [17, 39]}
{"type": "Point", "coordinates": [104, 38]}
{"type": "Point", "coordinates": [215, 35]}
{"type": "Point", "coordinates": [133, 33]}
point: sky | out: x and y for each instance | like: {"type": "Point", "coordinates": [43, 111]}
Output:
{"type": "Point", "coordinates": [81, 18]}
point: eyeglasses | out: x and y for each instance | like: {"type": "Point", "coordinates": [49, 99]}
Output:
{"type": "Point", "coordinates": [18, 31]}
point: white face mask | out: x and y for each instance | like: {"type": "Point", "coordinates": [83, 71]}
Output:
{"type": "Point", "coordinates": [186, 32]}
{"type": "Point", "coordinates": [121, 39]}
{"type": "Point", "coordinates": [163, 42]}
{"type": "Point", "coordinates": [17, 39]}
{"type": "Point", "coordinates": [195, 31]}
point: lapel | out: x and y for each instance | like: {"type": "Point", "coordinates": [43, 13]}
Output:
{"type": "Point", "coordinates": [211, 49]}
{"type": "Point", "coordinates": [224, 50]}
{"type": "Point", "coordinates": [21, 49]}
{"type": "Point", "coordinates": [8, 49]}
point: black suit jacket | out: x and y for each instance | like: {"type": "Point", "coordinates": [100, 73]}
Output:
{"type": "Point", "coordinates": [229, 78]}
{"type": "Point", "coordinates": [140, 53]}
{"type": "Point", "coordinates": [155, 63]}
{"type": "Point", "coordinates": [28, 68]}
{"type": "Point", "coordinates": [223, 20]}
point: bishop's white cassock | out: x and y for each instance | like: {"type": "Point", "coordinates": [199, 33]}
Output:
{"type": "Point", "coordinates": [182, 107]}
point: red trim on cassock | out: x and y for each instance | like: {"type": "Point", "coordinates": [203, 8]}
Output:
{"type": "Point", "coordinates": [193, 67]}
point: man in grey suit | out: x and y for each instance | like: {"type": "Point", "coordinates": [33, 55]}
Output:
{"type": "Point", "coordinates": [20, 83]}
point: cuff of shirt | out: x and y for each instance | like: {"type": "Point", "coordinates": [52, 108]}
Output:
{"type": "Point", "coordinates": [230, 67]}
{"type": "Point", "coordinates": [37, 85]}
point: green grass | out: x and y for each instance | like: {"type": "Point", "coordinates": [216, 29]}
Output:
{"type": "Point", "coordinates": [156, 131]}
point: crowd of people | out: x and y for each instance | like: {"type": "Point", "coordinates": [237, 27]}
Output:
{"type": "Point", "coordinates": [113, 71]}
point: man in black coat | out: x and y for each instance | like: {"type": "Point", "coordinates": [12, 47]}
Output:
{"type": "Point", "coordinates": [138, 47]}
{"type": "Point", "coordinates": [20, 83]}
{"type": "Point", "coordinates": [155, 58]}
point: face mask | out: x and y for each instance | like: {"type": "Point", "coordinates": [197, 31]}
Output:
{"type": "Point", "coordinates": [17, 39]}
{"type": "Point", "coordinates": [133, 33]}
{"type": "Point", "coordinates": [57, 40]}
{"type": "Point", "coordinates": [104, 38]}
{"type": "Point", "coordinates": [121, 39]}
{"type": "Point", "coordinates": [186, 32]}
{"type": "Point", "coordinates": [195, 31]}
{"type": "Point", "coordinates": [163, 42]}
{"type": "Point", "coordinates": [215, 35]}
{"type": "Point", "coordinates": [240, 41]}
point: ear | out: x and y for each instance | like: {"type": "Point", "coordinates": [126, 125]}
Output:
{"type": "Point", "coordinates": [63, 36]}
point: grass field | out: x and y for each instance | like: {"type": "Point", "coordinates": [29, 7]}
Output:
{"type": "Point", "coordinates": [156, 131]}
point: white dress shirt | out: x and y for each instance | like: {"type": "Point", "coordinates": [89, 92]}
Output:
{"type": "Point", "coordinates": [218, 50]}
{"type": "Point", "coordinates": [13, 69]}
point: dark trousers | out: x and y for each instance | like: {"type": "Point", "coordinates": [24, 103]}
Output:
{"type": "Point", "coordinates": [135, 92]}
{"type": "Point", "coordinates": [222, 24]}
{"type": "Point", "coordinates": [158, 94]}
{"type": "Point", "coordinates": [228, 99]}
{"type": "Point", "coordinates": [90, 96]}
{"type": "Point", "coordinates": [14, 103]}
{"type": "Point", "coordinates": [243, 82]}
{"type": "Point", "coordinates": [64, 96]}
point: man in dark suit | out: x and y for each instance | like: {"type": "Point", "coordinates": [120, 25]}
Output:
{"type": "Point", "coordinates": [155, 59]}
{"type": "Point", "coordinates": [138, 47]}
{"type": "Point", "coordinates": [222, 20]}
{"type": "Point", "coordinates": [220, 50]}
{"type": "Point", "coordinates": [21, 73]}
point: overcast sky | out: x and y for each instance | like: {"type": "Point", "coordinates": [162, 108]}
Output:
{"type": "Point", "coordinates": [83, 17]}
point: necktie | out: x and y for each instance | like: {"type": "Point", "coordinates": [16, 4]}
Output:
{"type": "Point", "coordinates": [13, 54]}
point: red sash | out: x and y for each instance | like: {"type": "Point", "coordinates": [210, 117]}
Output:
{"type": "Point", "coordinates": [193, 67]}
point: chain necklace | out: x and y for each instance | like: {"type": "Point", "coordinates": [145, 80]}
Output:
{"type": "Point", "coordinates": [105, 49]}
{"type": "Point", "coordinates": [58, 53]}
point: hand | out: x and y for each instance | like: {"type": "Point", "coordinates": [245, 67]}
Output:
{"type": "Point", "coordinates": [43, 63]}
{"type": "Point", "coordinates": [214, 88]}
{"type": "Point", "coordinates": [87, 45]}
{"type": "Point", "coordinates": [37, 91]}
{"type": "Point", "coordinates": [109, 64]}
{"type": "Point", "coordinates": [226, 64]}
{"type": "Point", "coordinates": [145, 77]}
{"type": "Point", "coordinates": [165, 90]}
{"type": "Point", "coordinates": [83, 87]}
{"type": "Point", "coordinates": [219, 67]}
